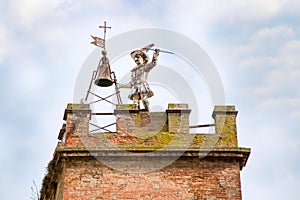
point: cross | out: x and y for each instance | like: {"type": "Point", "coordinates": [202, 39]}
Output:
{"type": "Point", "coordinates": [104, 27]}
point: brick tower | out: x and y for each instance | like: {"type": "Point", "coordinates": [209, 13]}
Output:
{"type": "Point", "coordinates": [151, 155]}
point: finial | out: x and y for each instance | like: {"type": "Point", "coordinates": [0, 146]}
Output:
{"type": "Point", "coordinates": [104, 27]}
{"type": "Point", "coordinates": [99, 41]}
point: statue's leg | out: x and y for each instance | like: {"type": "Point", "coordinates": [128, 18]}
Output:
{"type": "Point", "coordinates": [146, 103]}
{"type": "Point", "coordinates": [137, 102]}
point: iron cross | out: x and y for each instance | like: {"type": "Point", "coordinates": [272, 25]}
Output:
{"type": "Point", "coordinates": [104, 27]}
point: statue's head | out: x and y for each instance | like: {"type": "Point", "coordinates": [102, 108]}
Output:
{"type": "Point", "coordinates": [104, 52]}
{"type": "Point", "coordinates": [139, 57]}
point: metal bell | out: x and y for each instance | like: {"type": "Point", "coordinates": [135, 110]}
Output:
{"type": "Point", "coordinates": [104, 79]}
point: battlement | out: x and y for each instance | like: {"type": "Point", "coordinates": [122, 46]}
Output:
{"type": "Point", "coordinates": [138, 130]}
{"type": "Point", "coordinates": [201, 166]}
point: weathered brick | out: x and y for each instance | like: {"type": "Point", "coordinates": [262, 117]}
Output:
{"type": "Point", "coordinates": [204, 179]}
{"type": "Point", "coordinates": [75, 173]}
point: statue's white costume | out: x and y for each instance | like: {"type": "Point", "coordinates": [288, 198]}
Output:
{"type": "Point", "coordinates": [140, 89]}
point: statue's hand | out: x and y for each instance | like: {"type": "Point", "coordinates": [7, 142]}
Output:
{"type": "Point", "coordinates": [157, 51]}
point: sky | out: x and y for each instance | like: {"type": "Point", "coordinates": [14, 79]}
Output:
{"type": "Point", "coordinates": [254, 45]}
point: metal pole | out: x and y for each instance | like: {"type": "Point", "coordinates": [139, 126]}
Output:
{"type": "Point", "coordinates": [202, 125]}
{"type": "Point", "coordinates": [93, 78]}
{"type": "Point", "coordinates": [117, 89]}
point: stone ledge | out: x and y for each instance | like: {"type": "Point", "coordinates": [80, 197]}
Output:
{"type": "Point", "coordinates": [126, 107]}
{"type": "Point", "coordinates": [240, 154]}
{"type": "Point", "coordinates": [172, 106]}
{"type": "Point", "coordinates": [76, 112]}
{"type": "Point", "coordinates": [74, 106]}
{"type": "Point", "coordinates": [224, 110]}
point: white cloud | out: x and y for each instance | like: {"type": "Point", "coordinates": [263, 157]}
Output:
{"type": "Point", "coordinates": [286, 107]}
{"type": "Point", "coordinates": [291, 7]}
{"type": "Point", "coordinates": [265, 90]}
{"type": "Point", "coordinates": [274, 148]}
{"type": "Point", "coordinates": [274, 32]}
{"type": "Point", "coordinates": [292, 46]}
{"type": "Point", "coordinates": [28, 13]}
{"type": "Point", "coordinates": [211, 11]}
{"type": "Point", "coordinates": [290, 52]}
{"type": "Point", "coordinates": [249, 10]}
{"type": "Point", "coordinates": [284, 76]}
{"type": "Point", "coordinates": [272, 55]}
{"type": "Point", "coordinates": [267, 40]}
{"type": "Point", "coordinates": [4, 42]}
{"type": "Point", "coordinates": [259, 62]}
{"type": "Point", "coordinates": [277, 102]}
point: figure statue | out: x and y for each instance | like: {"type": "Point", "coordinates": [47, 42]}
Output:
{"type": "Point", "coordinates": [104, 60]}
{"type": "Point", "coordinates": [140, 89]}
{"type": "Point", "coordinates": [103, 70]}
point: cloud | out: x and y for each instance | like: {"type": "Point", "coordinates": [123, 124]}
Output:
{"type": "Point", "coordinates": [283, 72]}
{"type": "Point", "coordinates": [230, 11]}
{"type": "Point", "coordinates": [271, 39]}
{"type": "Point", "coordinates": [284, 76]}
{"type": "Point", "coordinates": [277, 102]}
{"type": "Point", "coordinates": [274, 32]}
{"type": "Point", "coordinates": [28, 14]}
{"type": "Point", "coordinates": [290, 7]}
{"type": "Point", "coordinates": [271, 56]}
{"type": "Point", "coordinates": [252, 62]}
{"type": "Point", "coordinates": [290, 52]}
{"type": "Point", "coordinates": [275, 146]}
{"type": "Point", "coordinates": [266, 42]}
{"type": "Point", "coordinates": [253, 10]}
{"type": "Point", "coordinates": [279, 82]}
{"type": "Point", "coordinates": [4, 43]}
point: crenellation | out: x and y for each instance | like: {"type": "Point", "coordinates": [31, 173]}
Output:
{"type": "Point", "coordinates": [207, 168]}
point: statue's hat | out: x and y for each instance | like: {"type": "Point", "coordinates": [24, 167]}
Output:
{"type": "Point", "coordinates": [135, 53]}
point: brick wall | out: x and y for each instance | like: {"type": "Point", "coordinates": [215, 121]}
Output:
{"type": "Point", "coordinates": [186, 178]}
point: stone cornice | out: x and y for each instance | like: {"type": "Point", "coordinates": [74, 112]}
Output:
{"type": "Point", "coordinates": [228, 153]}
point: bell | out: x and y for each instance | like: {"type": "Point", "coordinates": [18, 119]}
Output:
{"type": "Point", "coordinates": [104, 78]}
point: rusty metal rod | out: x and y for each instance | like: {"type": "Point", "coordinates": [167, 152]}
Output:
{"type": "Point", "coordinates": [102, 113]}
{"type": "Point", "coordinates": [102, 98]}
{"type": "Point", "coordinates": [98, 128]}
{"type": "Point", "coordinates": [202, 125]}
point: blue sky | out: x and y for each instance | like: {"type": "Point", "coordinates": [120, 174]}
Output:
{"type": "Point", "coordinates": [255, 46]}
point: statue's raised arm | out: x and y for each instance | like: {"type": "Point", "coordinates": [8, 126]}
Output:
{"type": "Point", "coordinates": [140, 89]}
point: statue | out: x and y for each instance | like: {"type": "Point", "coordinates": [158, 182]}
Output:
{"type": "Point", "coordinates": [140, 89]}
{"type": "Point", "coordinates": [103, 71]}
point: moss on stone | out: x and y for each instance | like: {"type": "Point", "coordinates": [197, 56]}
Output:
{"type": "Point", "coordinates": [73, 106]}
{"type": "Point", "coordinates": [153, 141]}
